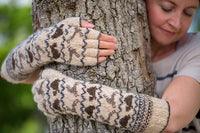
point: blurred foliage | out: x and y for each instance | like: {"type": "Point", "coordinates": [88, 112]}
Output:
{"type": "Point", "coordinates": [18, 111]}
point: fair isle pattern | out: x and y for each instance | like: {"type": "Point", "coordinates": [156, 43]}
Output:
{"type": "Point", "coordinates": [98, 101]}
{"type": "Point", "coordinates": [83, 98]}
{"type": "Point", "coordinates": [60, 94]}
{"type": "Point", "coordinates": [65, 42]}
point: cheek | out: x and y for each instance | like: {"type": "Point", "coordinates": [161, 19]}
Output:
{"type": "Point", "coordinates": [186, 25]}
{"type": "Point", "coordinates": [155, 17]}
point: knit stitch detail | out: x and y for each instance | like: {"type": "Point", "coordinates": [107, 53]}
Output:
{"type": "Point", "coordinates": [80, 22]}
{"type": "Point", "coordinates": [65, 42]}
{"type": "Point", "coordinates": [32, 50]}
{"type": "Point", "coordinates": [133, 115]}
{"type": "Point", "coordinates": [32, 45]}
{"type": "Point", "coordinates": [49, 96]}
{"type": "Point", "coordinates": [120, 109]}
{"type": "Point", "coordinates": [62, 97]}
{"type": "Point", "coordinates": [16, 61]}
{"type": "Point", "coordinates": [84, 49]}
{"type": "Point", "coordinates": [167, 117]}
{"type": "Point", "coordinates": [27, 59]}
{"type": "Point", "coordinates": [63, 46]}
{"type": "Point", "coordinates": [134, 112]}
{"type": "Point", "coordinates": [135, 119]}
{"type": "Point", "coordinates": [83, 98]}
{"type": "Point", "coordinates": [140, 112]}
{"type": "Point", "coordinates": [99, 103]}
{"type": "Point", "coordinates": [47, 43]}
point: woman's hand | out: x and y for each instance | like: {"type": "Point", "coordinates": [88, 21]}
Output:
{"type": "Point", "coordinates": [57, 94]}
{"type": "Point", "coordinates": [107, 44]}
{"type": "Point", "coordinates": [71, 41]}
{"type": "Point", "coordinates": [107, 47]}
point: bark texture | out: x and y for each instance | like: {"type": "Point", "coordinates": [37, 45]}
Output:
{"type": "Point", "coordinates": [129, 69]}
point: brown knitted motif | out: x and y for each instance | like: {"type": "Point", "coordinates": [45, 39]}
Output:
{"type": "Point", "coordinates": [65, 42]}
{"type": "Point", "coordinates": [97, 102]}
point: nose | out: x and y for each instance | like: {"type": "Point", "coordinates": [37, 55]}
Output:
{"type": "Point", "coordinates": [175, 21]}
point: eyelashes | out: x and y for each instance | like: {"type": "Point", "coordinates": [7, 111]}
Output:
{"type": "Point", "coordinates": [170, 9]}
{"type": "Point", "coordinates": [188, 14]}
{"type": "Point", "coordinates": [166, 9]}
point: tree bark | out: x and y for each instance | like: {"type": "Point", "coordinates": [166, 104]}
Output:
{"type": "Point", "coordinates": [129, 69]}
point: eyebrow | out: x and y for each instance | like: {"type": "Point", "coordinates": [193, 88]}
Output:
{"type": "Point", "coordinates": [195, 7]}
{"type": "Point", "coordinates": [170, 1]}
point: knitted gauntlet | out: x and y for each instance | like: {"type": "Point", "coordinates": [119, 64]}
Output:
{"type": "Point", "coordinates": [65, 42]}
{"type": "Point", "coordinates": [57, 94]}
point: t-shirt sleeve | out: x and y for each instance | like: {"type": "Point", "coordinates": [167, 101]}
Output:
{"type": "Point", "coordinates": [190, 65]}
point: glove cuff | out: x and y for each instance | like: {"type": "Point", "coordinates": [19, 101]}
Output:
{"type": "Point", "coordinates": [160, 116]}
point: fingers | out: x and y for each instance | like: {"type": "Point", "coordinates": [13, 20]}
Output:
{"type": "Point", "coordinates": [101, 59]}
{"type": "Point", "coordinates": [102, 44]}
{"type": "Point", "coordinates": [103, 53]}
{"type": "Point", "coordinates": [106, 52]}
{"type": "Point", "coordinates": [107, 45]}
{"type": "Point", "coordinates": [85, 24]}
{"type": "Point", "coordinates": [103, 37]}
{"type": "Point", "coordinates": [108, 38]}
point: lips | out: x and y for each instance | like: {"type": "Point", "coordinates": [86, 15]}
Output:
{"type": "Point", "coordinates": [167, 32]}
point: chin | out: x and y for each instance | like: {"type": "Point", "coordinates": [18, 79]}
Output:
{"type": "Point", "coordinates": [160, 40]}
{"type": "Point", "coordinates": [165, 43]}
{"type": "Point", "coordinates": [164, 40]}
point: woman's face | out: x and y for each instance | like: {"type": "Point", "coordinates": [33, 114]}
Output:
{"type": "Point", "coordinates": [169, 20]}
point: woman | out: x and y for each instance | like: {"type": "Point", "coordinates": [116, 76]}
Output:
{"type": "Point", "coordinates": [172, 49]}
{"type": "Point", "coordinates": [175, 79]}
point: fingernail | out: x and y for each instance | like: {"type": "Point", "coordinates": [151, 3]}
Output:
{"type": "Point", "coordinates": [112, 52]}
{"type": "Point", "coordinates": [115, 47]}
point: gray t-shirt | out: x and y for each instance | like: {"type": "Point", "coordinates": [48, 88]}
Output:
{"type": "Point", "coordinates": [185, 61]}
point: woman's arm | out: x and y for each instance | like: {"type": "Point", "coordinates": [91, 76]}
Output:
{"type": "Point", "coordinates": [58, 94]}
{"type": "Point", "coordinates": [65, 42]}
{"type": "Point", "coordinates": [183, 97]}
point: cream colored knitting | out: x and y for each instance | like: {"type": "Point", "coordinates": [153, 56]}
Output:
{"type": "Point", "coordinates": [58, 94]}
{"type": "Point", "coordinates": [65, 42]}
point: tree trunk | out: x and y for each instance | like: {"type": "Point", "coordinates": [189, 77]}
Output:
{"type": "Point", "coordinates": [129, 69]}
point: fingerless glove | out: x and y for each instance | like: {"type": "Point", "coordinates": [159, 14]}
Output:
{"type": "Point", "coordinates": [65, 42]}
{"type": "Point", "coordinates": [58, 94]}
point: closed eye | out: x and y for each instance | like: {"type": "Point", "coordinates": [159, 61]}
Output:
{"type": "Point", "coordinates": [166, 9]}
{"type": "Point", "coordinates": [188, 14]}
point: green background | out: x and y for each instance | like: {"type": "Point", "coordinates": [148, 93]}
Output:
{"type": "Point", "coordinates": [18, 112]}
